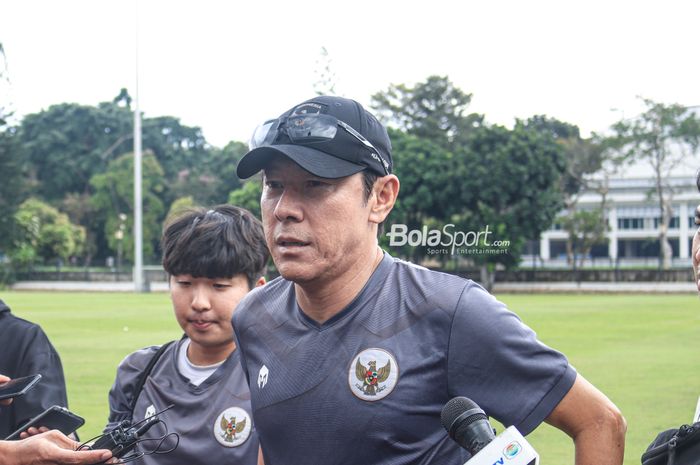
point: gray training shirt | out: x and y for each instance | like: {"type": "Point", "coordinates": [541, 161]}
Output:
{"type": "Point", "coordinates": [212, 419]}
{"type": "Point", "coordinates": [368, 385]}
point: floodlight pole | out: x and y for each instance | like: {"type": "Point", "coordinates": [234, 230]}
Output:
{"type": "Point", "coordinates": [138, 210]}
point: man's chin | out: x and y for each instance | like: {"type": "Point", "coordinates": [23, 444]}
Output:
{"type": "Point", "coordinates": [295, 273]}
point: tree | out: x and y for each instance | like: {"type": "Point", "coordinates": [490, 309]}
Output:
{"type": "Point", "coordinates": [44, 234]}
{"type": "Point", "coordinates": [12, 187]}
{"type": "Point", "coordinates": [585, 229]}
{"type": "Point", "coordinates": [662, 136]}
{"type": "Point", "coordinates": [428, 186]}
{"type": "Point", "coordinates": [513, 187]}
{"type": "Point", "coordinates": [457, 170]}
{"type": "Point", "coordinates": [434, 109]}
{"type": "Point", "coordinates": [248, 196]}
{"type": "Point", "coordinates": [66, 146]}
{"type": "Point", "coordinates": [583, 158]}
{"type": "Point", "coordinates": [211, 181]}
{"type": "Point", "coordinates": [180, 205]}
{"type": "Point", "coordinates": [68, 143]}
{"type": "Point", "coordinates": [114, 197]}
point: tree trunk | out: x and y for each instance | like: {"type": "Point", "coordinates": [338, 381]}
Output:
{"type": "Point", "coordinates": [488, 277]}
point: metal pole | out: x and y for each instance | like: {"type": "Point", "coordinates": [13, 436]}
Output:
{"type": "Point", "coordinates": [138, 221]}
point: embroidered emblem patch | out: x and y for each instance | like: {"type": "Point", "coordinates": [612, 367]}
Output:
{"type": "Point", "coordinates": [373, 374]}
{"type": "Point", "coordinates": [262, 376]}
{"type": "Point", "coordinates": [150, 411]}
{"type": "Point", "coordinates": [232, 427]}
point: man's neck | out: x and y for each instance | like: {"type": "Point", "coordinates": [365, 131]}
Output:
{"type": "Point", "coordinates": [323, 300]}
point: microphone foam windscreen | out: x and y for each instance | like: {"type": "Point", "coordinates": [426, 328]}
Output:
{"type": "Point", "coordinates": [457, 407]}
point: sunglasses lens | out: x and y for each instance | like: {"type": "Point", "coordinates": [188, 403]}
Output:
{"type": "Point", "coordinates": [261, 135]}
{"type": "Point", "coordinates": [311, 128]}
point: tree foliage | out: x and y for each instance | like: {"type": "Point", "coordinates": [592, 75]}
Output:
{"type": "Point", "coordinates": [12, 187]}
{"type": "Point", "coordinates": [456, 169]}
{"type": "Point", "coordinates": [663, 136]}
{"type": "Point", "coordinates": [248, 196]}
{"type": "Point", "coordinates": [44, 234]}
{"type": "Point", "coordinates": [114, 196]}
{"type": "Point", "coordinates": [513, 186]}
{"type": "Point", "coordinates": [583, 158]}
{"type": "Point", "coordinates": [70, 150]}
{"type": "Point", "coordinates": [435, 110]}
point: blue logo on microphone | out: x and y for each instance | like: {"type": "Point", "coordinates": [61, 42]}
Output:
{"type": "Point", "coordinates": [512, 450]}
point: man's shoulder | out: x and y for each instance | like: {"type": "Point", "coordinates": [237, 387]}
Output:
{"type": "Point", "coordinates": [411, 274]}
{"type": "Point", "coordinates": [267, 298]}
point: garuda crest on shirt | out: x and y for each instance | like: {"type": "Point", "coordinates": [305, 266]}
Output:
{"type": "Point", "coordinates": [371, 377]}
{"type": "Point", "coordinates": [232, 427]}
{"type": "Point", "coordinates": [373, 374]}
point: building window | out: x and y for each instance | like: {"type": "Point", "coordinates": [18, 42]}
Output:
{"type": "Point", "coordinates": [673, 224]}
{"type": "Point", "coordinates": [630, 223]}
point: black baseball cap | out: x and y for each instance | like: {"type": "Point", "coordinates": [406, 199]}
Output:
{"type": "Point", "coordinates": [341, 156]}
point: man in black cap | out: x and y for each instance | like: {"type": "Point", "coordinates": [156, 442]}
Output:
{"type": "Point", "coordinates": [351, 354]}
{"type": "Point", "coordinates": [28, 351]}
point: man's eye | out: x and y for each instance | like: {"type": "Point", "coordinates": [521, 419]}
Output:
{"type": "Point", "coordinates": [273, 184]}
{"type": "Point", "coordinates": [184, 283]}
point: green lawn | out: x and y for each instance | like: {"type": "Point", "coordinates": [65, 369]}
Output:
{"type": "Point", "coordinates": [643, 351]}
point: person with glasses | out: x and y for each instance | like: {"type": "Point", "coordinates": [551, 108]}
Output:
{"type": "Point", "coordinates": [351, 354]}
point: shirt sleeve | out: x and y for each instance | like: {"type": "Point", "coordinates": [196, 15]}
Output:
{"type": "Point", "coordinates": [498, 362]}
{"type": "Point", "coordinates": [122, 393]}
{"type": "Point", "coordinates": [39, 357]}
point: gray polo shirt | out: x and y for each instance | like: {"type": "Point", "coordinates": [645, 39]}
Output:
{"type": "Point", "coordinates": [368, 385]}
{"type": "Point", "coordinates": [212, 419]}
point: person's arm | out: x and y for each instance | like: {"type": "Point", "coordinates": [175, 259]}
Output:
{"type": "Point", "coordinates": [593, 422]}
{"type": "Point", "coordinates": [50, 448]}
{"type": "Point", "coordinates": [37, 355]}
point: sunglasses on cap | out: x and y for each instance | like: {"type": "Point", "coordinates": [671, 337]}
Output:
{"type": "Point", "coordinates": [309, 128]}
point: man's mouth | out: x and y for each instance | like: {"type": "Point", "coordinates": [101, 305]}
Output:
{"type": "Point", "coordinates": [291, 242]}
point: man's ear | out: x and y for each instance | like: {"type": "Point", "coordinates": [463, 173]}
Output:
{"type": "Point", "coordinates": [260, 281]}
{"type": "Point", "coordinates": [384, 194]}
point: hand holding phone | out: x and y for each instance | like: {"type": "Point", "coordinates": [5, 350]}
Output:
{"type": "Point", "coordinates": [18, 386]}
{"type": "Point", "coordinates": [54, 417]}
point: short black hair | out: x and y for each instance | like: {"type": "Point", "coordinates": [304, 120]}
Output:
{"type": "Point", "coordinates": [220, 242]}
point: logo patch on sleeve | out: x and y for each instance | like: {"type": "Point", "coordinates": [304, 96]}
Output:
{"type": "Point", "coordinates": [373, 374]}
{"type": "Point", "coordinates": [232, 427]}
{"type": "Point", "coordinates": [150, 411]}
{"type": "Point", "coordinates": [262, 376]}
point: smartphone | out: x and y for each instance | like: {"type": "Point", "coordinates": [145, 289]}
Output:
{"type": "Point", "coordinates": [18, 386]}
{"type": "Point", "coordinates": [54, 417]}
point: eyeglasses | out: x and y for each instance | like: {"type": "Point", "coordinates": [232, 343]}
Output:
{"type": "Point", "coordinates": [308, 129]}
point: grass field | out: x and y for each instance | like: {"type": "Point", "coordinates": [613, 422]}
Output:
{"type": "Point", "coordinates": [643, 351]}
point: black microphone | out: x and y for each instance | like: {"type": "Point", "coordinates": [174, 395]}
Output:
{"type": "Point", "coordinates": [467, 424]}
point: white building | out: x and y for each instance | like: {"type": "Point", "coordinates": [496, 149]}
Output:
{"type": "Point", "coordinates": [633, 214]}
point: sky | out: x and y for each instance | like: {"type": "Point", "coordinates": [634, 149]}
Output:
{"type": "Point", "coordinates": [226, 66]}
